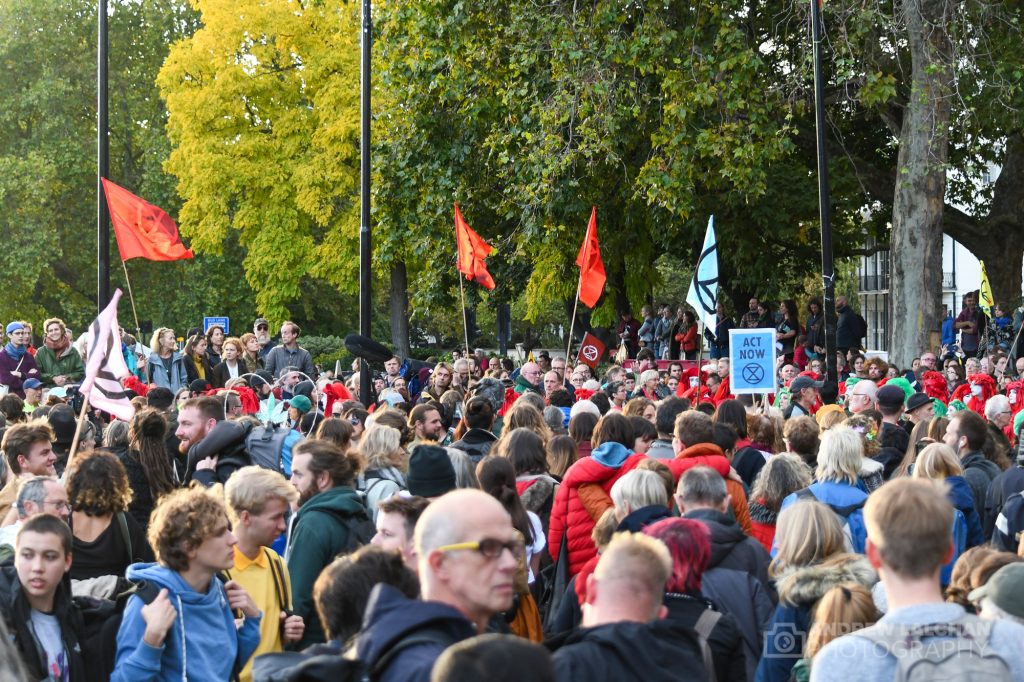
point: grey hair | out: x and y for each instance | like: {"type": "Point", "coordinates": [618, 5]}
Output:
{"type": "Point", "coordinates": [702, 485]}
{"type": "Point", "coordinates": [554, 418]}
{"type": "Point", "coordinates": [783, 474]}
{"type": "Point", "coordinates": [535, 399]}
{"type": "Point", "coordinates": [34, 491]}
{"type": "Point", "coordinates": [465, 470]}
{"type": "Point", "coordinates": [996, 404]}
{"type": "Point", "coordinates": [116, 435]}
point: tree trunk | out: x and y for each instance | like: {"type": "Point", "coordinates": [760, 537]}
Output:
{"type": "Point", "coordinates": [916, 244]}
{"type": "Point", "coordinates": [400, 309]}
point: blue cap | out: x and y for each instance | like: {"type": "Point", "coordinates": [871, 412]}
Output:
{"type": "Point", "coordinates": [14, 326]}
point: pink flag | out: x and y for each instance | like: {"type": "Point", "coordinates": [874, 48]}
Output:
{"type": "Point", "coordinates": [106, 367]}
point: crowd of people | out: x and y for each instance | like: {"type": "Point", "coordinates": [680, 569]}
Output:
{"type": "Point", "coordinates": [479, 520]}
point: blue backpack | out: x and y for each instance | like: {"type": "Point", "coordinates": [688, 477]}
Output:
{"type": "Point", "coordinates": [851, 516]}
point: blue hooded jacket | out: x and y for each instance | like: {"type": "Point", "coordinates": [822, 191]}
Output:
{"type": "Point", "coordinates": [203, 639]}
{"type": "Point", "coordinates": [611, 454]}
{"type": "Point", "coordinates": [961, 497]}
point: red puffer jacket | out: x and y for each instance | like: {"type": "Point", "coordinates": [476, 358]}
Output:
{"type": "Point", "coordinates": [569, 515]}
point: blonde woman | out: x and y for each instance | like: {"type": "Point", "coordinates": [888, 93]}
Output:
{"type": "Point", "coordinates": [166, 366]}
{"type": "Point", "coordinates": [810, 561]}
{"type": "Point", "coordinates": [844, 609]}
{"type": "Point", "coordinates": [386, 462]}
{"type": "Point", "coordinates": [940, 462]}
{"type": "Point", "coordinates": [840, 460]}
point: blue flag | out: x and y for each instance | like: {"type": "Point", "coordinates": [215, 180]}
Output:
{"type": "Point", "coordinates": [703, 294]}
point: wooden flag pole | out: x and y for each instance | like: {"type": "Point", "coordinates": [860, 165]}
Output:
{"type": "Point", "coordinates": [465, 324]}
{"type": "Point", "coordinates": [131, 297]}
{"type": "Point", "coordinates": [78, 433]}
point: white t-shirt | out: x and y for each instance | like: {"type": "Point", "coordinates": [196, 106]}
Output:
{"type": "Point", "coordinates": [539, 542]}
{"type": "Point", "coordinates": [47, 631]}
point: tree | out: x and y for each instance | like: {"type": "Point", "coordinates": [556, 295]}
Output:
{"type": "Point", "coordinates": [263, 120]}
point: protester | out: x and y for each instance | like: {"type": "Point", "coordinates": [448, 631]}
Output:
{"type": "Point", "coordinates": [289, 356]}
{"type": "Point", "coordinates": [467, 552]}
{"type": "Point", "coordinates": [29, 452]}
{"type": "Point", "coordinates": [188, 630]}
{"type": "Point", "coordinates": [782, 475]}
{"type": "Point", "coordinates": [332, 519]}
{"type": "Point", "coordinates": [59, 363]}
{"type": "Point", "coordinates": [258, 500]}
{"type": "Point", "coordinates": [396, 522]}
{"type": "Point", "coordinates": [384, 461]}
{"type": "Point", "coordinates": [908, 542]}
{"type": "Point", "coordinates": [107, 539]}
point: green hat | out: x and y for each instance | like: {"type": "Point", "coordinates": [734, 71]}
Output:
{"type": "Point", "coordinates": [1017, 419]}
{"type": "Point", "coordinates": [1005, 588]}
{"type": "Point", "coordinates": [903, 384]}
{"type": "Point", "coordinates": [300, 403]}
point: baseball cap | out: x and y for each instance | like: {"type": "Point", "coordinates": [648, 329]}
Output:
{"type": "Point", "coordinates": [32, 383]}
{"type": "Point", "coordinates": [259, 321]}
{"type": "Point", "coordinates": [890, 396]}
{"type": "Point", "coordinates": [802, 382]}
{"type": "Point", "coordinates": [1005, 588]}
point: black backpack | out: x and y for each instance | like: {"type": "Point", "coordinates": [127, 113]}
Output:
{"type": "Point", "coordinates": [326, 663]}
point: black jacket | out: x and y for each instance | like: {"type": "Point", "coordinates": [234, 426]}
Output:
{"type": "Point", "coordinates": [743, 597]}
{"type": "Point", "coordinates": [849, 326]}
{"type": "Point", "coordinates": [894, 441]}
{"type": "Point", "coordinates": [1005, 484]}
{"type": "Point", "coordinates": [476, 443]}
{"type": "Point", "coordinates": [18, 616]}
{"type": "Point", "coordinates": [226, 442]}
{"type": "Point", "coordinates": [732, 548]}
{"type": "Point", "coordinates": [391, 617]}
{"type": "Point", "coordinates": [660, 651]}
{"type": "Point", "coordinates": [725, 641]}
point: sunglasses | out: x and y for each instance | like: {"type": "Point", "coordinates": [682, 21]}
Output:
{"type": "Point", "coordinates": [488, 547]}
{"type": "Point", "coordinates": [262, 327]}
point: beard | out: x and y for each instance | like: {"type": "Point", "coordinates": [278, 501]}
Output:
{"type": "Point", "coordinates": [307, 494]}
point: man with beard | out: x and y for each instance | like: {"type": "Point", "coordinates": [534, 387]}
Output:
{"type": "Point", "coordinates": [331, 520]}
{"type": "Point", "coordinates": [261, 328]}
{"type": "Point", "coordinates": [214, 446]}
{"type": "Point", "coordinates": [965, 433]}
{"type": "Point", "coordinates": [425, 422]}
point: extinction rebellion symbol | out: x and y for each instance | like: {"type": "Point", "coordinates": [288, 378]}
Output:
{"type": "Point", "coordinates": [590, 353]}
{"type": "Point", "coordinates": [753, 373]}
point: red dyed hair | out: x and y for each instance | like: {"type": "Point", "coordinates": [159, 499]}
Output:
{"type": "Point", "coordinates": [689, 543]}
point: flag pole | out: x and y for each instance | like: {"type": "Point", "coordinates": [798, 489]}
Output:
{"type": "Point", "coordinates": [465, 324]}
{"type": "Point", "coordinates": [700, 356]}
{"type": "Point", "coordinates": [572, 322]}
{"type": "Point", "coordinates": [131, 297]}
{"type": "Point", "coordinates": [78, 434]}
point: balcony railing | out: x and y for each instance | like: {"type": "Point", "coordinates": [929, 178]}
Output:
{"type": "Point", "coordinates": [874, 282]}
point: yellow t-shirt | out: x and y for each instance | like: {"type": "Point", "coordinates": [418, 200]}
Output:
{"type": "Point", "coordinates": [257, 577]}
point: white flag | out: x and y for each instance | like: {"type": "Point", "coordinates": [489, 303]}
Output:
{"type": "Point", "coordinates": [106, 366]}
{"type": "Point", "coordinates": [703, 294]}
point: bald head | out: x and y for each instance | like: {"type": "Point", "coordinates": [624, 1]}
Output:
{"type": "Point", "coordinates": [468, 554]}
{"type": "Point", "coordinates": [531, 372]}
{"type": "Point", "coordinates": [862, 396]}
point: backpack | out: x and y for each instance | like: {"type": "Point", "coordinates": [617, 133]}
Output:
{"type": "Point", "coordinates": [959, 545]}
{"type": "Point", "coordinates": [964, 656]}
{"type": "Point", "coordinates": [360, 530]}
{"type": "Point", "coordinates": [704, 626]}
{"type": "Point", "coordinates": [326, 662]}
{"type": "Point", "coordinates": [265, 444]}
{"type": "Point", "coordinates": [851, 517]}
{"type": "Point", "coordinates": [102, 619]}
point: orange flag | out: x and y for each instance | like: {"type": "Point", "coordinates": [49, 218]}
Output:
{"type": "Point", "coordinates": [143, 230]}
{"type": "Point", "coordinates": [472, 251]}
{"type": "Point", "coordinates": [592, 277]}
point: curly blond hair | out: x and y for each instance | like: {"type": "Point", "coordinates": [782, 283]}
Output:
{"type": "Point", "coordinates": [182, 521]}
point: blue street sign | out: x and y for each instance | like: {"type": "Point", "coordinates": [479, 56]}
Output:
{"type": "Point", "coordinates": [752, 361]}
{"type": "Point", "coordinates": [216, 321]}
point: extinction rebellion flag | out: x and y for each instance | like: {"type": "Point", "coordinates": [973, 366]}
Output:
{"type": "Point", "coordinates": [591, 351]}
{"type": "Point", "coordinates": [106, 367]}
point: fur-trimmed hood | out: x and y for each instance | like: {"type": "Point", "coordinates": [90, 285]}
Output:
{"type": "Point", "coordinates": [806, 585]}
{"type": "Point", "coordinates": [537, 491]}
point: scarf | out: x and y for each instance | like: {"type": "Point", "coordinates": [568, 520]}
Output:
{"type": "Point", "coordinates": [16, 352]}
{"type": "Point", "coordinates": [57, 348]}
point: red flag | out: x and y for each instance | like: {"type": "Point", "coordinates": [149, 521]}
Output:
{"type": "Point", "coordinates": [591, 351]}
{"type": "Point", "coordinates": [472, 251]}
{"type": "Point", "coordinates": [592, 277]}
{"type": "Point", "coordinates": [143, 230]}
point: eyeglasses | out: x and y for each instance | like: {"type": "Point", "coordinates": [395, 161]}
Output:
{"type": "Point", "coordinates": [262, 327]}
{"type": "Point", "coordinates": [58, 504]}
{"type": "Point", "coordinates": [488, 547]}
